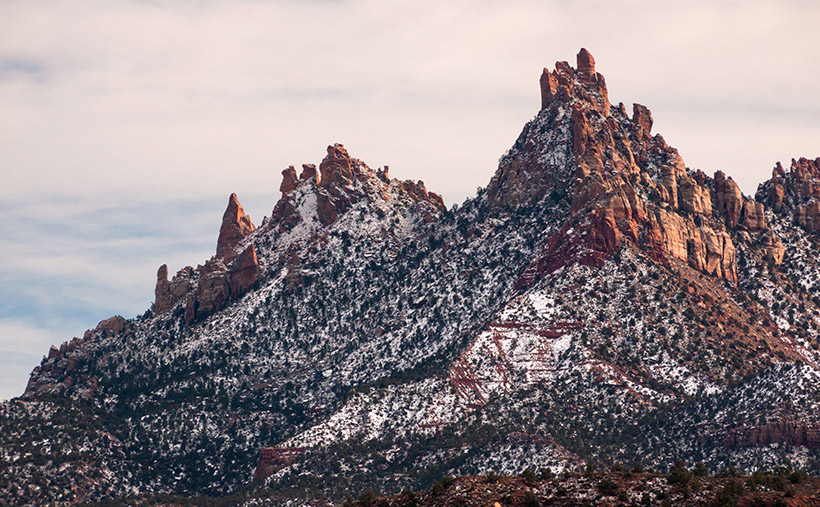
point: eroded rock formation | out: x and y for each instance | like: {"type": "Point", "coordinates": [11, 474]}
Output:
{"type": "Point", "coordinates": [625, 184]}
{"type": "Point", "coordinates": [207, 289]}
{"type": "Point", "coordinates": [786, 431]}
{"type": "Point", "coordinates": [795, 192]}
{"type": "Point", "coordinates": [340, 182]}
{"type": "Point", "coordinates": [236, 226]}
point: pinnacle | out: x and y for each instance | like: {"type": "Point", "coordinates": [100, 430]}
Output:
{"type": "Point", "coordinates": [235, 227]}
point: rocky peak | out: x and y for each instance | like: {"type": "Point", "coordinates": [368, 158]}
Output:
{"type": "Point", "coordinates": [340, 182]}
{"type": "Point", "coordinates": [586, 67]}
{"type": "Point", "coordinates": [569, 84]}
{"type": "Point", "coordinates": [229, 274]}
{"type": "Point", "coordinates": [642, 118]}
{"type": "Point", "coordinates": [623, 184]}
{"type": "Point", "coordinates": [795, 192]}
{"type": "Point", "coordinates": [337, 167]}
{"type": "Point", "coordinates": [289, 180]}
{"type": "Point", "coordinates": [236, 226]}
{"type": "Point", "coordinates": [309, 173]}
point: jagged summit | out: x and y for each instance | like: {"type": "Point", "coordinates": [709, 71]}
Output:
{"type": "Point", "coordinates": [622, 183]}
{"type": "Point", "coordinates": [583, 83]}
{"type": "Point", "coordinates": [795, 193]}
{"type": "Point", "coordinates": [340, 182]}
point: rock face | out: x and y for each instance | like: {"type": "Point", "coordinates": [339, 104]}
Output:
{"type": "Point", "coordinates": [272, 459]}
{"type": "Point", "coordinates": [207, 289]}
{"type": "Point", "coordinates": [168, 293]}
{"type": "Point", "coordinates": [244, 272]}
{"type": "Point", "coordinates": [340, 182]}
{"type": "Point", "coordinates": [236, 226]}
{"type": "Point", "coordinates": [795, 193]}
{"type": "Point", "coordinates": [218, 284]}
{"type": "Point", "coordinates": [791, 432]}
{"type": "Point", "coordinates": [605, 160]}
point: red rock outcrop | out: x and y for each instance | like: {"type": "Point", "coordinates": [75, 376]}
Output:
{"type": "Point", "coordinates": [694, 198]}
{"type": "Point", "coordinates": [795, 433]}
{"type": "Point", "coordinates": [236, 226]}
{"type": "Point", "coordinates": [244, 272]}
{"type": "Point", "coordinates": [624, 183]}
{"type": "Point", "coordinates": [289, 180]}
{"type": "Point", "coordinates": [340, 182]}
{"type": "Point", "coordinates": [219, 283]}
{"type": "Point", "coordinates": [753, 217]}
{"type": "Point", "coordinates": [309, 173]}
{"type": "Point", "coordinates": [272, 459]}
{"type": "Point", "coordinates": [111, 326]}
{"type": "Point", "coordinates": [773, 247]}
{"type": "Point", "coordinates": [549, 88]}
{"type": "Point", "coordinates": [162, 291]}
{"type": "Point", "coordinates": [211, 293]}
{"type": "Point", "coordinates": [795, 192]}
{"type": "Point", "coordinates": [168, 293]}
{"type": "Point", "coordinates": [227, 275]}
{"type": "Point", "coordinates": [729, 199]}
{"type": "Point", "coordinates": [642, 118]}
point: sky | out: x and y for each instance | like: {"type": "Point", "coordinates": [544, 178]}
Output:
{"type": "Point", "coordinates": [125, 125]}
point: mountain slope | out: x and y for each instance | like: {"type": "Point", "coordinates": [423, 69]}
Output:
{"type": "Point", "coordinates": [598, 302]}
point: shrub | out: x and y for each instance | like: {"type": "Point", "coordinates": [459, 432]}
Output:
{"type": "Point", "coordinates": [545, 474]}
{"type": "Point", "coordinates": [729, 494]}
{"type": "Point", "coordinates": [678, 474]}
{"type": "Point", "coordinates": [442, 485]}
{"type": "Point", "coordinates": [530, 500]}
{"type": "Point", "coordinates": [529, 476]}
{"type": "Point", "coordinates": [608, 487]}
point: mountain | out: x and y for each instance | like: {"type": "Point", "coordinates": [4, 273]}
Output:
{"type": "Point", "coordinates": [599, 302]}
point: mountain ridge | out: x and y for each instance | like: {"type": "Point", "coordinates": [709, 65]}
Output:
{"type": "Point", "coordinates": [597, 302]}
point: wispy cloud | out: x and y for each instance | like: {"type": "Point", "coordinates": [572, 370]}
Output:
{"type": "Point", "coordinates": [15, 68]}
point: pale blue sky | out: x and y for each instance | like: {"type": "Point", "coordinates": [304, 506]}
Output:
{"type": "Point", "coordinates": [125, 125]}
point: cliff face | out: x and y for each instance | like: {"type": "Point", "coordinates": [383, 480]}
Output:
{"type": "Point", "coordinates": [625, 183]}
{"type": "Point", "coordinates": [599, 302]}
{"type": "Point", "coordinates": [795, 193]}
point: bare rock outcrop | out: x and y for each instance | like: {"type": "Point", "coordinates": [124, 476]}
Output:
{"type": "Point", "coordinates": [623, 183]}
{"type": "Point", "coordinates": [236, 226]}
{"type": "Point", "coordinates": [162, 292]}
{"type": "Point", "coordinates": [168, 293]}
{"type": "Point", "coordinates": [773, 247]}
{"type": "Point", "coordinates": [795, 192]}
{"type": "Point", "coordinates": [218, 284]}
{"type": "Point", "coordinates": [791, 432]}
{"type": "Point", "coordinates": [339, 183]}
{"type": "Point", "coordinates": [272, 459]}
{"type": "Point", "coordinates": [694, 198]}
{"type": "Point", "coordinates": [289, 180]}
{"type": "Point", "coordinates": [244, 272]}
{"type": "Point", "coordinates": [642, 118]}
